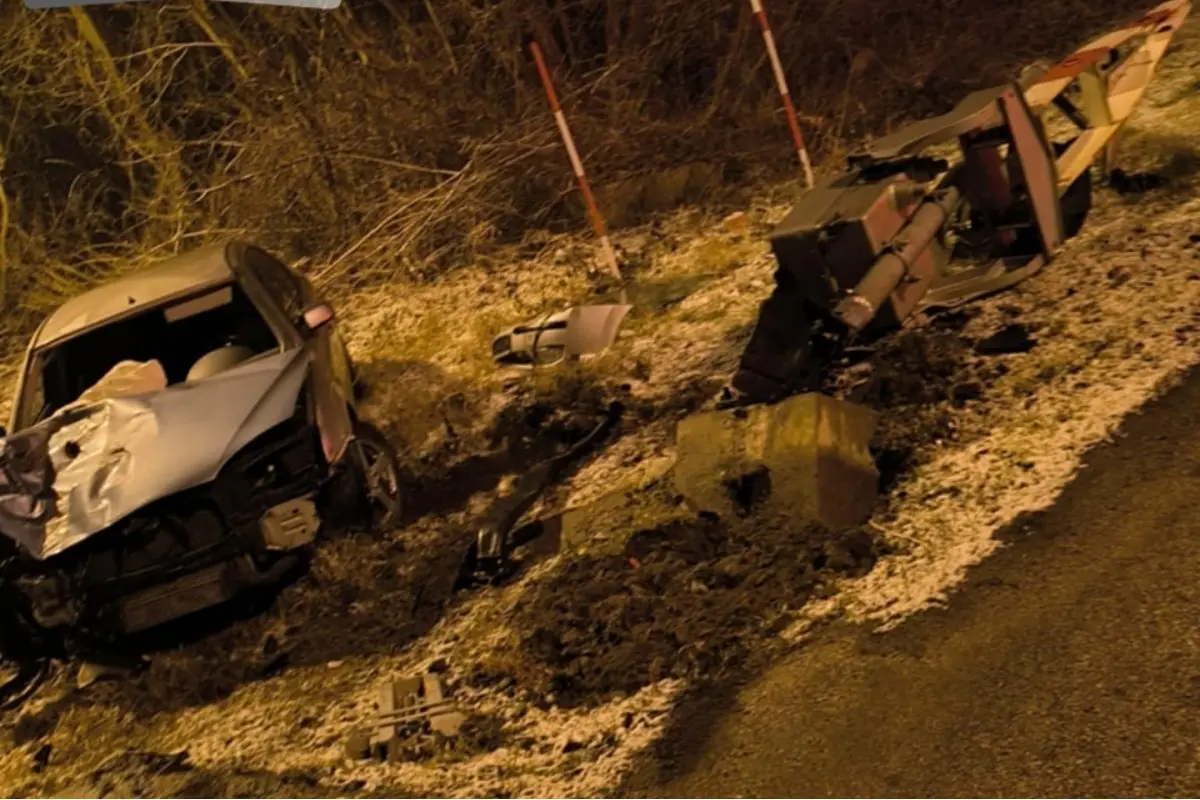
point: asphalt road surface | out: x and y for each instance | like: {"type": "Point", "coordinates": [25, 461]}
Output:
{"type": "Point", "coordinates": [1067, 665]}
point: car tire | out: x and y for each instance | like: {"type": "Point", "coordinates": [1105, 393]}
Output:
{"type": "Point", "coordinates": [377, 478]}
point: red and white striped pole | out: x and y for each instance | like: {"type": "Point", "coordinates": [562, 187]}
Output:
{"type": "Point", "coordinates": [781, 82]}
{"type": "Point", "coordinates": [610, 256]}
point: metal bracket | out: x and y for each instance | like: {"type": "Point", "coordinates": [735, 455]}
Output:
{"type": "Point", "coordinates": [290, 524]}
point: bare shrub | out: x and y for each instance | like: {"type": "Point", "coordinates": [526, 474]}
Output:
{"type": "Point", "coordinates": [388, 140]}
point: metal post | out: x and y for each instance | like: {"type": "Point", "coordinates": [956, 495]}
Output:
{"type": "Point", "coordinates": [610, 256]}
{"type": "Point", "coordinates": [781, 82]}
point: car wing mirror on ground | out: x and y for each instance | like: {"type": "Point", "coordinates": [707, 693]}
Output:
{"type": "Point", "coordinates": [550, 339]}
{"type": "Point", "coordinates": [316, 317]}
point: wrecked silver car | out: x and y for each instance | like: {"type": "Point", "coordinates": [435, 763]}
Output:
{"type": "Point", "coordinates": [177, 436]}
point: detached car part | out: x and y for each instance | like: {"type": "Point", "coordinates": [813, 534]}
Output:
{"type": "Point", "coordinates": [903, 230]}
{"type": "Point", "coordinates": [406, 706]}
{"type": "Point", "coordinates": [487, 559]}
{"type": "Point", "coordinates": [407, 701]}
{"type": "Point", "coordinates": [178, 436]}
{"type": "Point", "coordinates": [553, 338]}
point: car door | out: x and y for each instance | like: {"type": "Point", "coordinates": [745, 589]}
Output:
{"type": "Point", "coordinates": [331, 386]}
{"type": "Point", "coordinates": [339, 355]}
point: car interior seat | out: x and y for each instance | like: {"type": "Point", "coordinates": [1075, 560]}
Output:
{"type": "Point", "coordinates": [218, 360]}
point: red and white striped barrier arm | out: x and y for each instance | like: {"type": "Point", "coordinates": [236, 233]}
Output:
{"type": "Point", "coordinates": [610, 256]}
{"type": "Point", "coordinates": [781, 82]}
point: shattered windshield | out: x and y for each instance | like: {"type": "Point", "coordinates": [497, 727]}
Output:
{"type": "Point", "coordinates": [180, 335]}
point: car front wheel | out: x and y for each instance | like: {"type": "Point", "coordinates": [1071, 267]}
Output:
{"type": "Point", "coordinates": [378, 471]}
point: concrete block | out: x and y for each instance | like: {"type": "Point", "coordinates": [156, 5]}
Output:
{"type": "Point", "coordinates": [807, 457]}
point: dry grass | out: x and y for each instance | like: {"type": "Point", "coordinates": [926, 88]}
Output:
{"type": "Point", "coordinates": [386, 140]}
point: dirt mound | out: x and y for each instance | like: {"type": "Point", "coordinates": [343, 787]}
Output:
{"type": "Point", "coordinates": [914, 380]}
{"type": "Point", "coordinates": [684, 601]}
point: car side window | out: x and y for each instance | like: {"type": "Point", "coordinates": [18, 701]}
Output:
{"type": "Point", "coordinates": [286, 287]}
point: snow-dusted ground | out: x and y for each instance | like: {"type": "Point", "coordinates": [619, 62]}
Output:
{"type": "Point", "coordinates": [1117, 317]}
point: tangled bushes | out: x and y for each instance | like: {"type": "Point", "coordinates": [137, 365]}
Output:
{"type": "Point", "coordinates": [388, 138]}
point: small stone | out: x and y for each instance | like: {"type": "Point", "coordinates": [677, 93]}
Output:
{"type": "Point", "coordinates": [964, 392]}
{"type": "Point", "coordinates": [358, 746]}
{"type": "Point", "coordinates": [1009, 339]}
{"type": "Point", "coordinates": [736, 223]}
{"type": "Point", "coordinates": [92, 672]}
{"type": "Point", "coordinates": [41, 757]}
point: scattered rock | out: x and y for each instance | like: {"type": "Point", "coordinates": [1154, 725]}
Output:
{"type": "Point", "coordinates": [1124, 183]}
{"type": "Point", "coordinates": [41, 757]}
{"type": "Point", "coordinates": [447, 724]}
{"type": "Point", "coordinates": [1119, 276]}
{"type": "Point", "coordinates": [736, 223]}
{"type": "Point", "coordinates": [480, 734]}
{"type": "Point", "coordinates": [1013, 338]}
{"type": "Point", "coordinates": [273, 665]}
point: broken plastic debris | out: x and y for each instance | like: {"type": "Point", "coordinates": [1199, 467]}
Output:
{"type": "Point", "coordinates": [553, 338]}
{"type": "Point", "coordinates": [92, 672]}
{"type": "Point", "coordinates": [1010, 339]}
{"type": "Point", "coordinates": [405, 704]}
{"type": "Point", "coordinates": [487, 560]}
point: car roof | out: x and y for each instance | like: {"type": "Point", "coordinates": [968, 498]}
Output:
{"type": "Point", "coordinates": [176, 276]}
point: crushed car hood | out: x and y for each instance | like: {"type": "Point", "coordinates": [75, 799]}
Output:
{"type": "Point", "coordinates": [117, 450]}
